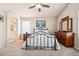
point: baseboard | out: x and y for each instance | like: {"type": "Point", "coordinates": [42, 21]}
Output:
{"type": "Point", "coordinates": [76, 48]}
{"type": "Point", "coordinates": [1, 47]}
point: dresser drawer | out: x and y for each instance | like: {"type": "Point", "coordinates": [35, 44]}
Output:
{"type": "Point", "coordinates": [66, 38]}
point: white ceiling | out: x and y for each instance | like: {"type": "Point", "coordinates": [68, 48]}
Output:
{"type": "Point", "coordinates": [21, 9]}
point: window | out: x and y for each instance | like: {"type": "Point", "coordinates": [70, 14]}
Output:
{"type": "Point", "coordinates": [25, 27]}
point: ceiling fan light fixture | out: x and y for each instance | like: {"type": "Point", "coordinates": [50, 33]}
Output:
{"type": "Point", "coordinates": [38, 6]}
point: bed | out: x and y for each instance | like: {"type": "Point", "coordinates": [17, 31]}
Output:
{"type": "Point", "coordinates": [41, 40]}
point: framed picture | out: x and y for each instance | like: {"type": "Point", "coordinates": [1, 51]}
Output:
{"type": "Point", "coordinates": [1, 18]}
{"type": "Point", "coordinates": [40, 24]}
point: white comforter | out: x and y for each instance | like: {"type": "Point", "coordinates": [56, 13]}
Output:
{"type": "Point", "coordinates": [44, 41]}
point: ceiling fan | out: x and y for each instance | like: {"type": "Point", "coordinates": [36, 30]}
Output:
{"type": "Point", "coordinates": [39, 5]}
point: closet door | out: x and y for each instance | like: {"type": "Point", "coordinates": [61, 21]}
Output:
{"type": "Point", "coordinates": [78, 29]}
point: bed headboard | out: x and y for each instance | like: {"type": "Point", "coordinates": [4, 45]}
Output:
{"type": "Point", "coordinates": [43, 29]}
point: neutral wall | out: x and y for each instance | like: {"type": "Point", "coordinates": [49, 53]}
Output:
{"type": "Point", "coordinates": [72, 11]}
{"type": "Point", "coordinates": [3, 30]}
{"type": "Point", "coordinates": [51, 23]}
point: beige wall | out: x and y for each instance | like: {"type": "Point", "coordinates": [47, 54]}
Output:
{"type": "Point", "coordinates": [51, 23]}
{"type": "Point", "coordinates": [72, 11]}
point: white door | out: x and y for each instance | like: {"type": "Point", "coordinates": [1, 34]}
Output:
{"type": "Point", "coordinates": [78, 29]}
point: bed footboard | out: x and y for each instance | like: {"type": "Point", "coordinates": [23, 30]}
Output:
{"type": "Point", "coordinates": [45, 35]}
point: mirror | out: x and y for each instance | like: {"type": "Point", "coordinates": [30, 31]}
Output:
{"type": "Point", "coordinates": [60, 26]}
{"type": "Point", "coordinates": [70, 24]}
{"type": "Point", "coordinates": [65, 24]}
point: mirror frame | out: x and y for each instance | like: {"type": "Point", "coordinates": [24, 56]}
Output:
{"type": "Point", "coordinates": [69, 20]}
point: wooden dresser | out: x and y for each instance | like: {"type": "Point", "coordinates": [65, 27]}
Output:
{"type": "Point", "coordinates": [65, 38]}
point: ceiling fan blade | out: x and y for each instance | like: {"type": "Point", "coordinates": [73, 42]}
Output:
{"type": "Point", "coordinates": [43, 5]}
{"type": "Point", "coordinates": [32, 7]}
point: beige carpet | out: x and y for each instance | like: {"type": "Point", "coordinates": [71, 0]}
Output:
{"type": "Point", "coordinates": [15, 50]}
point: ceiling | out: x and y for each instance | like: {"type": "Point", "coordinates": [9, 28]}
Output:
{"type": "Point", "coordinates": [21, 9]}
